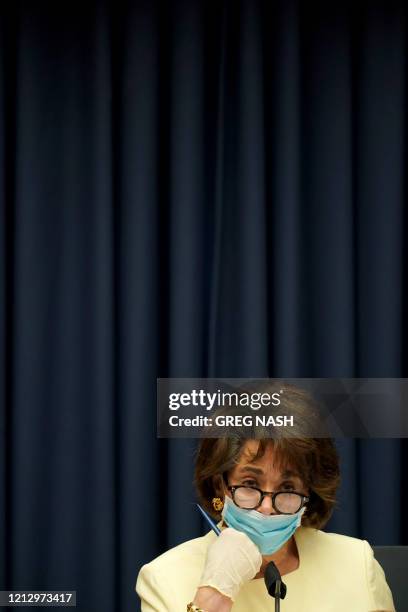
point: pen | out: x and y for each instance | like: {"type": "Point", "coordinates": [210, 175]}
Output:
{"type": "Point", "coordinates": [209, 520]}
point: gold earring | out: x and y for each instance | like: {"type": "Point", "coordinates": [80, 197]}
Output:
{"type": "Point", "coordinates": [217, 503]}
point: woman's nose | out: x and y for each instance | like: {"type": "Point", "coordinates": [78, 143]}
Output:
{"type": "Point", "coordinates": [266, 506]}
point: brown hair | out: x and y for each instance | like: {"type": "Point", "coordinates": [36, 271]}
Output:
{"type": "Point", "coordinates": [315, 459]}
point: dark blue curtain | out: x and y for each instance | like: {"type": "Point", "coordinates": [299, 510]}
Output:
{"type": "Point", "coordinates": [187, 189]}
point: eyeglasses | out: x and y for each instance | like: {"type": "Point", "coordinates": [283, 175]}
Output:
{"type": "Point", "coordinates": [284, 502]}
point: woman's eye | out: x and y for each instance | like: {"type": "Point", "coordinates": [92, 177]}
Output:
{"type": "Point", "coordinates": [249, 483]}
{"type": "Point", "coordinates": [287, 486]}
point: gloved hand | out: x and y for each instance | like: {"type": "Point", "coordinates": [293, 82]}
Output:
{"type": "Point", "coordinates": [232, 560]}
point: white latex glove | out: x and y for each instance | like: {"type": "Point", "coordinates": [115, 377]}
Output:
{"type": "Point", "coordinates": [232, 560]}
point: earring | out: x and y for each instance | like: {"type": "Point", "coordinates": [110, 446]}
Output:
{"type": "Point", "coordinates": [217, 503]}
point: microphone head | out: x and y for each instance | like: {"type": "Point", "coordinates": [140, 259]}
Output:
{"type": "Point", "coordinates": [273, 581]}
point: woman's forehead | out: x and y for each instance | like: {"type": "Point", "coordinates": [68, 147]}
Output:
{"type": "Point", "coordinates": [265, 455]}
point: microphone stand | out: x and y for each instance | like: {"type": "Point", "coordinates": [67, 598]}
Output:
{"type": "Point", "coordinates": [274, 585]}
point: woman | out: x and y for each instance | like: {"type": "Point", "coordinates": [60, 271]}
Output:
{"type": "Point", "coordinates": [272, 496]}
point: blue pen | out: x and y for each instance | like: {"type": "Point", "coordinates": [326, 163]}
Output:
{"type": "Point", "coordinates": [209, 520]}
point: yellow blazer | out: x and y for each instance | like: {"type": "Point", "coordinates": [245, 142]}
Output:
{"type": "Point", "coordinates": [336, 574]}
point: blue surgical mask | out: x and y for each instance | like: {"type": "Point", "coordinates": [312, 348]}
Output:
{"type": "Point", "coordinates": [268, 532]}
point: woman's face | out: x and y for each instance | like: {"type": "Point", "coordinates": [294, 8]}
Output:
{"type": "Point", "coordinates": [265, 474]}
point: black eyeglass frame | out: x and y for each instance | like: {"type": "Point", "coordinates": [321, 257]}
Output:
{"type": "Point", "coordinates": [273, 494]}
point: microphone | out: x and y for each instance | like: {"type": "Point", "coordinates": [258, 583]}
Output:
{"type": "Point", "coordinates": [274, 585]}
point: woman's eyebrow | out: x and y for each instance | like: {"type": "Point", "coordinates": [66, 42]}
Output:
{"type": "Point", "coordinates": [289, 474]}
{"type": "Point", "coordinates": [286, 474]}
{"type": "Point", "coordinates": [250, 468]}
